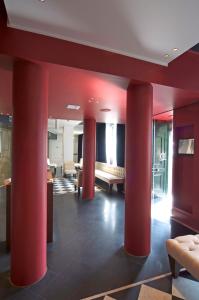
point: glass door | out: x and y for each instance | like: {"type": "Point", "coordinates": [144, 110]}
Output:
{"type": "Point", "coordinates": [161, 131]}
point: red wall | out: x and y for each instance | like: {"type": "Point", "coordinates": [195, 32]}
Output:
{"type": "Point", "coordinates": [186, 168]}
{"type": "Point", "coordinates": [3, 15]}
{"type": "Point", "coordinates": [5, 91]}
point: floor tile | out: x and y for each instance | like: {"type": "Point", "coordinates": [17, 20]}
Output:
{"type": "Point", "coordinates": [148, 293]}
{"type": "Point", "coordinates": [129, 294]}
{"type": "Point", "coordinates": [186, 288]}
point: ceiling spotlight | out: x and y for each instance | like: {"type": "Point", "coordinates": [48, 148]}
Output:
{"type": "Point", "coordinates": [42, 0]}
{"type": "Point", "coordinates": [166, 55]}
{"type": "Point", "coordinates": [105, 109]}
{"type": "Point", "coordinates": [93, 100]}
{"type": "Point", "coordinates": [175, 49]}
{"type": "Point", "coordinates": [73, 106]}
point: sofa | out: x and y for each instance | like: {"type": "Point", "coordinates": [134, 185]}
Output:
{"type": "Point", "coordinates": [109, 174]}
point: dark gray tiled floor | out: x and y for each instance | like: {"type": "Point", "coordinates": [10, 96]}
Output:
{"type": "Point", "coordinates": [87, 255]}
{"type": "Point", "coordinates": [163, 285]}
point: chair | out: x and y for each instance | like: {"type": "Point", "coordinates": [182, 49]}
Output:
{"type": "Point", "coordinates": [184, 251]}
{"type": "Point", "coordinates": [69, 168]}
{"type": "Point", "coordinates": [49, 175]}
{"type": "Point", "coordinates": [80, 164]}
{"type": "Point", "coordinates": [78, 181]}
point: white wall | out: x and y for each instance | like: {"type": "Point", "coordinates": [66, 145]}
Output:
{"type": "Point", "coordinates": [62, 149]}
{"type": "Point", "coordinates": [56, 153]}
{"type": "Point", "coordinates": [68, 142]}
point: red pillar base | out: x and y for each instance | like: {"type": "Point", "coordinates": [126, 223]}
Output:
{"type": "Point", "coordinates": [27, 285]}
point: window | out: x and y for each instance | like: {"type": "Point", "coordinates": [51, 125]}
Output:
{"type": "Point", "coordinates": [111, 143]}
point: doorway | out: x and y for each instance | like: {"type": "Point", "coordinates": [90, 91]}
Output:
{"type": "Point", "coordinates": [162, 170]}
{"type": "Point", "coordinates": [161, 132]}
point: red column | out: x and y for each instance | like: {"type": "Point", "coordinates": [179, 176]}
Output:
{"type": "Point", "coordinates": [29, 168]}
{"type": "Point", "coordinates": [138, 169]}
{"type": "Point", "coordinates": [89, 149]}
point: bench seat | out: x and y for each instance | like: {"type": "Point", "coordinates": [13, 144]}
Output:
{"type": "Point", "coordinates": [185, 251]}
{"type": "Point", "coordinates": [109, 178]}
{"type": "Point", "coordinates": [109, 174]}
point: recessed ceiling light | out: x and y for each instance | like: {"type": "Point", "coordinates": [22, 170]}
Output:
{"type": "Point", "coordinates": [73, 106]}
{"type": "Point", "coordinates": [166, 55]}
{"type": "Point", "coordinates": [175, 49]}
{"type": "Point", "coordinates": [93, 100]}
{"type": "Point", "coordinates": [42, 0]}
{"type": "Point", "coordinates": [105, 109]}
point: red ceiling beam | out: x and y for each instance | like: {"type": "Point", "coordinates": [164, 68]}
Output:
{"type": "Point", "coordinates": [34, 46]}
{"type": "Point", "coordinates": [182, 72]}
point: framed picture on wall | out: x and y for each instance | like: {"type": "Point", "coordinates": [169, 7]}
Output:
{"type": "Point", "coordinates": [186, 146]}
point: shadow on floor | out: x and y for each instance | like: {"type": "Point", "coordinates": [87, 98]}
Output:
{"type": "Point", "coordinates": [87, 255]}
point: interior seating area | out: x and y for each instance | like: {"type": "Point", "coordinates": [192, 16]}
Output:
{"type": "Point", "coordinates": [109, 174]}
{"type": "Point", "coordinates": [99, 150]}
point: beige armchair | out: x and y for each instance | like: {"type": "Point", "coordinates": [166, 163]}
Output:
{"type": "Point", "coordinates": [69, 168]}
{"type": "Point", "coordinates": [78, 181]}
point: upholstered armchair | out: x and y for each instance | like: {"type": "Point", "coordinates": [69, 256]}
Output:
{"type": "Point", "coordinates": [69, 168]}
{"type": "Point", "coordinates": [78, 181]}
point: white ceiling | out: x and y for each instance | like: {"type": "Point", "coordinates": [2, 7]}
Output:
{"type": "Point", "coordinates": [139, 28]}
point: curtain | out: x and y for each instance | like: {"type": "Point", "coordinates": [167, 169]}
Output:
{"type": "Point", "coordinates": [101, 142]}
{"type": "Point", "coordinates": [120, 145]}
{"type": "Point", "coordinates": [111, 144]}
{"type": "Point", "coordinates": [80, 146]}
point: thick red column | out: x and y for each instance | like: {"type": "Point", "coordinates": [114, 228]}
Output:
{"type": "Point", "coordinates": [29, 167]}
{"type": "Point", "coordinates": [138, 169]}
{"type": "Point", "coordinates": [89, 150]}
